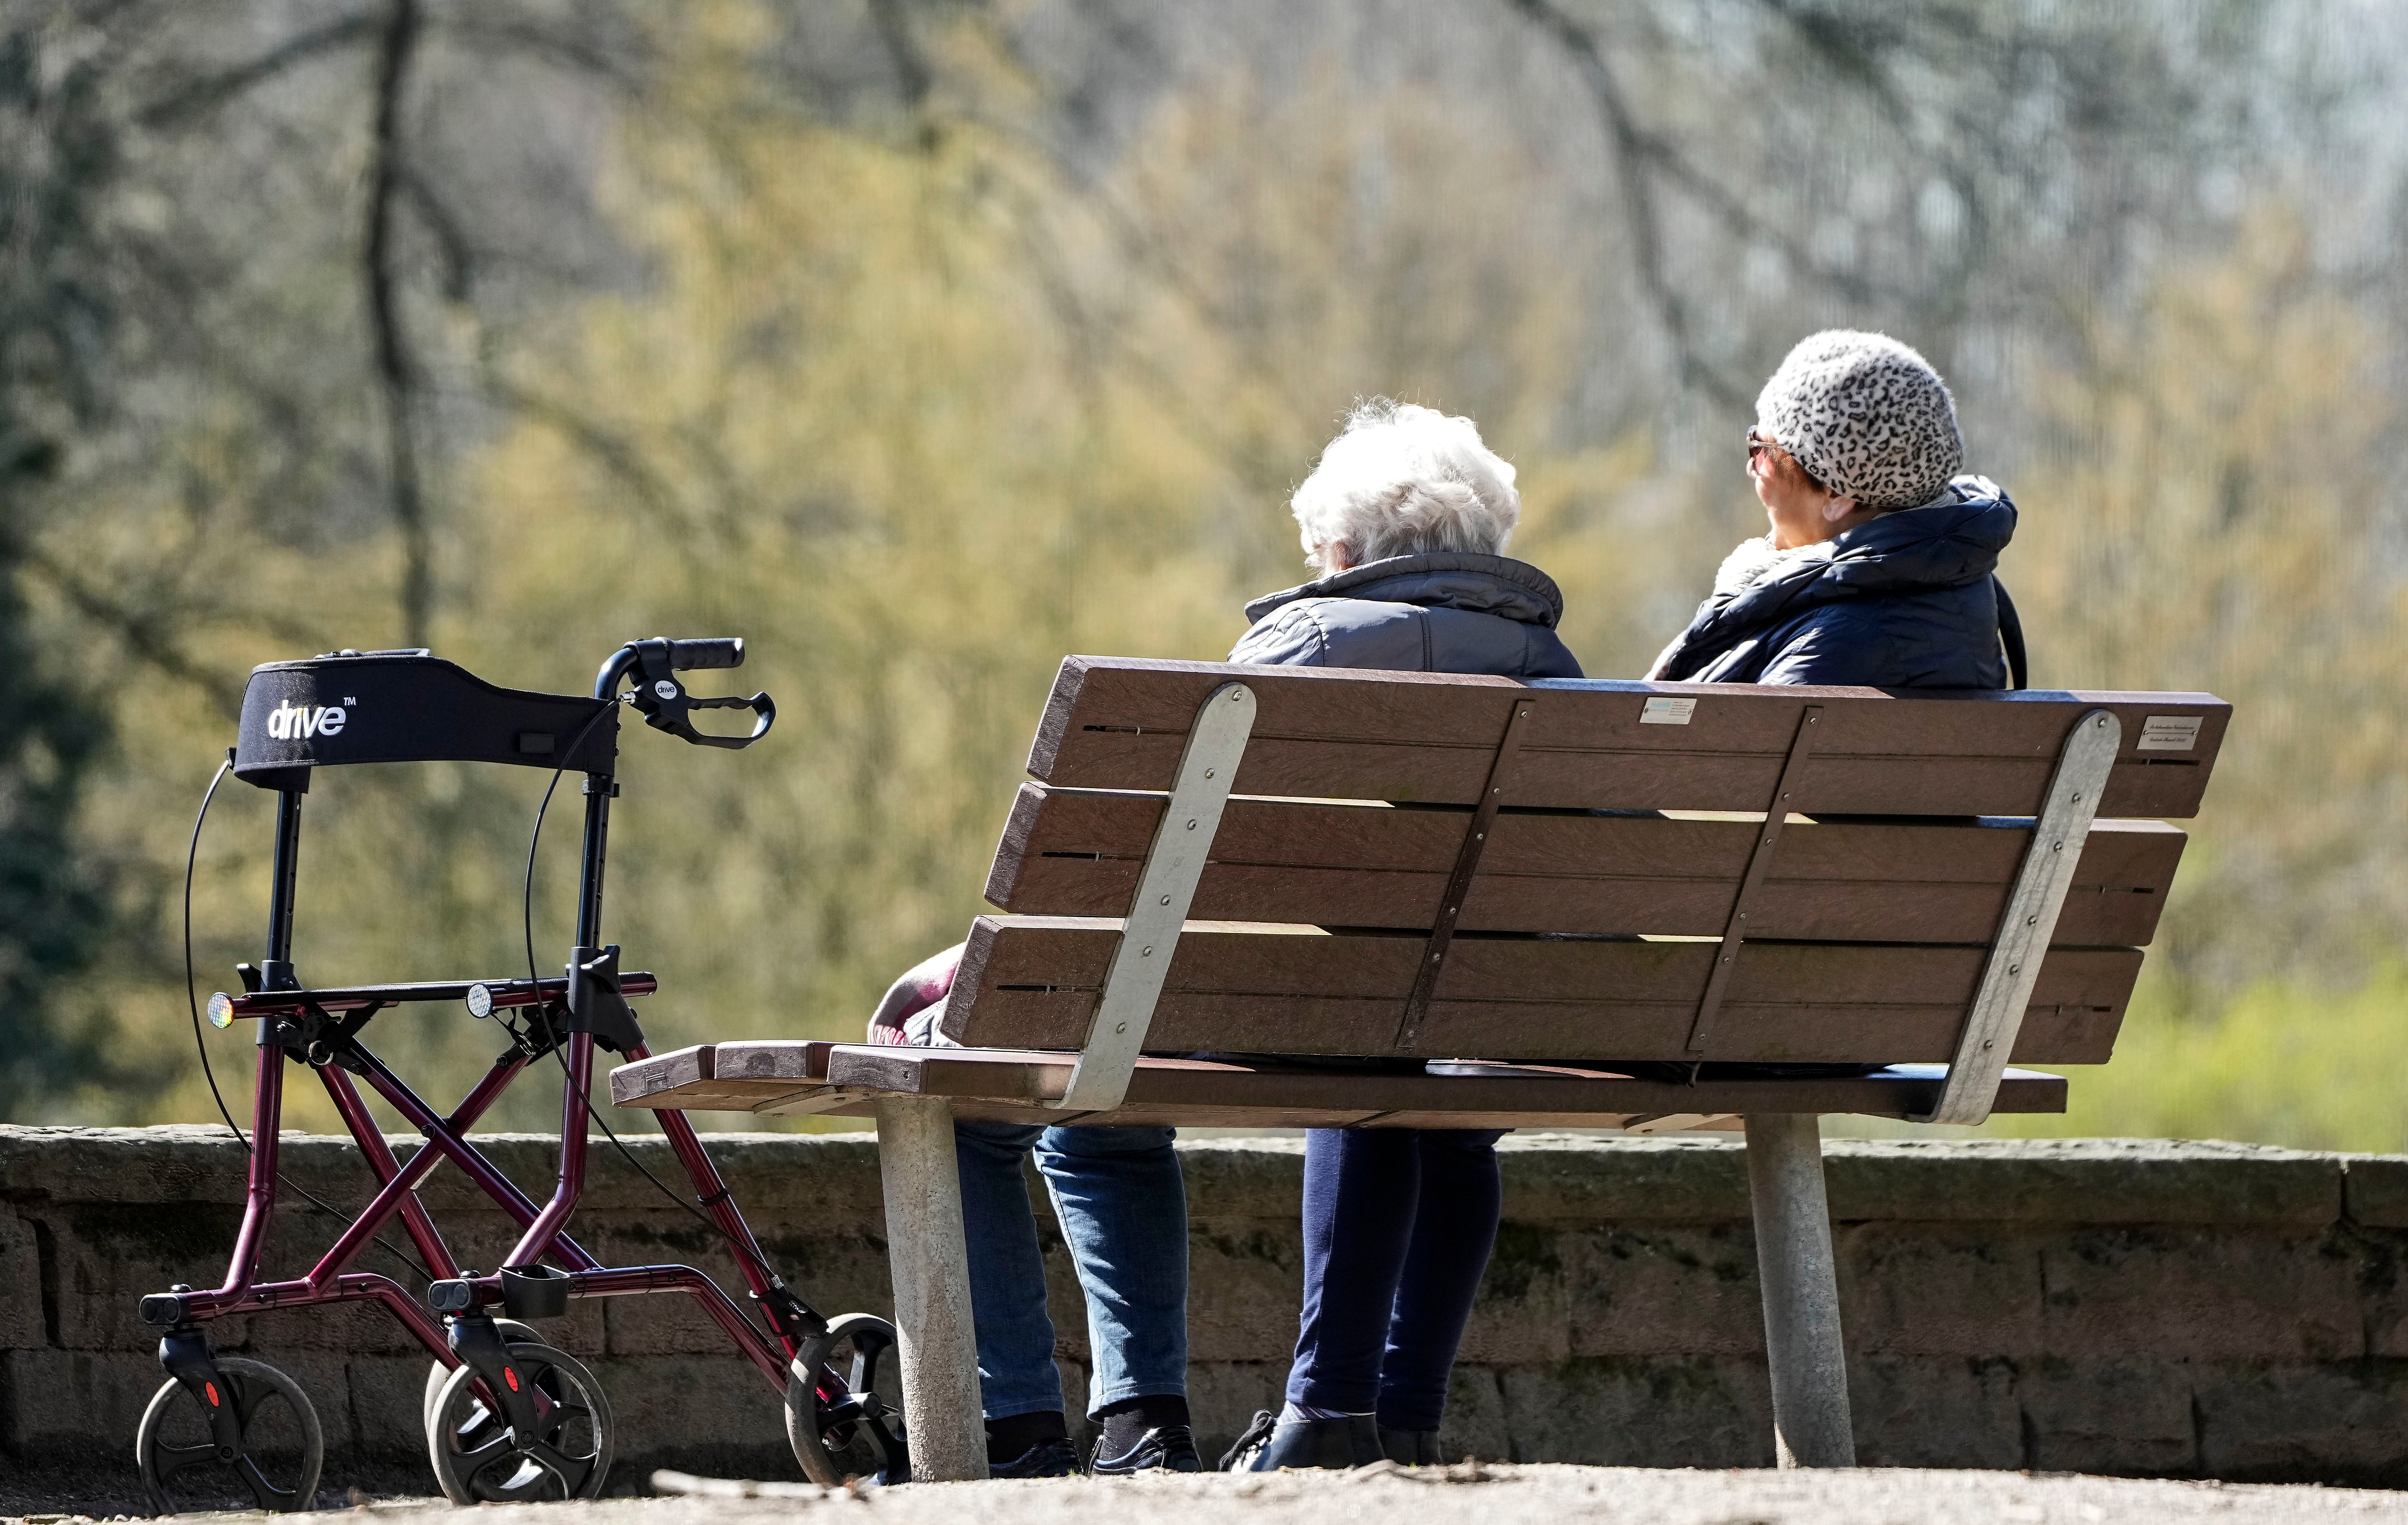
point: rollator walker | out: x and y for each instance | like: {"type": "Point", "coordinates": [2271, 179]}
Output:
{"type": "Point", "coordinates": [508, 1418]}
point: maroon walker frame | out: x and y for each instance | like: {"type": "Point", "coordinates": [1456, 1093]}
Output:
{"type": "Point", "coordinates": [571, 1014]}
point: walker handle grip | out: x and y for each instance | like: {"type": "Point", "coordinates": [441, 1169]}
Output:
{"type": "Point", "coordinates": [708, 651]}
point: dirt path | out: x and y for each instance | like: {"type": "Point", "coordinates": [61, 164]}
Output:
{"type": "Point", "coordinates": [1499, 1495]}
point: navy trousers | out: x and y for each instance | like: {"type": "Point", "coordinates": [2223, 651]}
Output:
{"type": "Point", "coordinates": [1398, 1223]}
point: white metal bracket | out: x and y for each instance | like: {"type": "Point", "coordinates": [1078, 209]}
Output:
{"type": "Point", "coordinates": [2028, 921]}
{"type": "Point", "coordinates": [1182, 843]}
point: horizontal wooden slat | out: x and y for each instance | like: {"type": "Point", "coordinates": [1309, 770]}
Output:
{"type": "Point", "coordinates": [1202, 1093]}
{"type": "Point", "coordinates": [722, 1077]}
{"type": "Point", "coordinates": [1116, 723]}
{"type": "Point", "coordinates": [1009, 1084]}
{"type": "Point", "coordinates": [1337, 863]}
{"type": "Point", "coordinates": [1031, 983]}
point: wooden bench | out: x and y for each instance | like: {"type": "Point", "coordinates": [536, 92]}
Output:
{"type": "Point", "coordinates": [1261, 865]}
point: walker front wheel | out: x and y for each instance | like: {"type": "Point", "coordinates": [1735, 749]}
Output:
{"type": "Point", "coordinates": [479, 1460]}
{"type": "Point", "coordinates": [275, 1467]}
{"type": "Point", "coordinates": [511, 1332]}
{"type": "Point", "coordinates": [838, 1425]}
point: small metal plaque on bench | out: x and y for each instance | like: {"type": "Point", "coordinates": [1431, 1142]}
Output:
{"type": "Point", "coordinates": [2169, 733]}
{"type": "Point", "coordinates": [1663, 711]}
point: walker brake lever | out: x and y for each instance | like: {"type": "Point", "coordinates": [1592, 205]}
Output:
{"type": "Point", "coordinates": [666, 704]}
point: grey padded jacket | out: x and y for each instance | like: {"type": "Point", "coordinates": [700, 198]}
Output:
{"type": "Point", "coordinates": [1438, 611]}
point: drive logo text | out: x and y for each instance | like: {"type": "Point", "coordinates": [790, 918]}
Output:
{"type": "Point", "coordinates": [290, 722]}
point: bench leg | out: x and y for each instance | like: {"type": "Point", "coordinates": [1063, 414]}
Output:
{"type": "Point", "coordinates": [1801, 1292]}
{"type": "Point", "coordinates": [938, 1346]}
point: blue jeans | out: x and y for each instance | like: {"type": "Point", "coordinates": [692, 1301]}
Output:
{"type": "Point", "coordinates": [1123, 1207]}
{"type": "Point", "coordinates": [1397, 1226]}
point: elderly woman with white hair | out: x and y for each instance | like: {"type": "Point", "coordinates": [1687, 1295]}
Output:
{"type": "Point", "coordinates": [1407, 518]}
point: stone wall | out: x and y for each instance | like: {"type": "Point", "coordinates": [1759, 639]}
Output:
{"type": "Point", "coordinates": [2099, 1306]}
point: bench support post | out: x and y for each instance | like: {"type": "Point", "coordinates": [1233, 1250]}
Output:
{"type": "Point", "coordinates": [2030, 921]}
{"type": "Point", "coordinates": [1165, 887]}
{"type": "Point", "coordinates": [937, 1346]}
{"type": "Point", "coordinates": [1811, 1425]}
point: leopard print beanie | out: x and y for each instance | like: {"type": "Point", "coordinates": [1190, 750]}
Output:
{"type": "Point", "coordinates": [1866, 416]}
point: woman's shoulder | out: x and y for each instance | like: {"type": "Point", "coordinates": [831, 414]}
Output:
{"type": "Point", "coordinates": [1933, 637]}
{"type": "Point", "coordinates": [1288, 636]}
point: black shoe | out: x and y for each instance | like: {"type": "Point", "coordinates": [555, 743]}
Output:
{"type": "Point", "coordinates": [1052, 1458]}
{"type": "Point", "coordinates": [1270, 1443]}
{"type": "Point", "coordinates": [1170, 1447]}
{"type": "Point", "coordinates": [1412, 1447]}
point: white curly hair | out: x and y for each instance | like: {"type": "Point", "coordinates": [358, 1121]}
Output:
{"type": "Point", "coordinates": [1400, 479]}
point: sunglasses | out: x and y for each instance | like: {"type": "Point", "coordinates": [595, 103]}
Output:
{"type": "Point", "coordinates": [1757, 444]}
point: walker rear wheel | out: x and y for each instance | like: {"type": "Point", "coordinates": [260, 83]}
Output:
{"type": "Point", "coordinates": [478, 1459]}
{"type": "Point", "coordinates": [837, 1421]}
{"type": "Point", "coordinates": [275, 1467]}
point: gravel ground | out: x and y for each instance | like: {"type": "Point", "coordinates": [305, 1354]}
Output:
{"type": "Point", "coordinates": [1490, 1495]}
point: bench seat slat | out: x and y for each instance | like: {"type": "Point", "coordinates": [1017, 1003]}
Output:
{"type": "Point", "coordinates": [1006, 1084]}
{"type": "Point", "coordinates": [1197, 1092]}
{"type": "Point", "coordinates": [1077, 853]}
{"type": "Point", "coordinates": [1031, 983]}
{"type": "Point", "coordinates": [1337, 733]}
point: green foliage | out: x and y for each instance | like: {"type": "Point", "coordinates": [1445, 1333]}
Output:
{"type": "Point", "coordinates": [2283, 1062]}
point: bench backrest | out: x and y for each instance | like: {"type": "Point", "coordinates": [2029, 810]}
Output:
{"type": "Point", "coordinates": [1416, 865]}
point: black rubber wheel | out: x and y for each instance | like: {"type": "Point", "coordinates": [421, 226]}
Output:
{"type": "Point", "coordinates": [477, 1459]}
{"type": "Point", "coordinates": [511, 1332]}
{"type": "Point", "coordinates": [275, 1468]}
{"type": "Point", "coordinates": [859, 1434]}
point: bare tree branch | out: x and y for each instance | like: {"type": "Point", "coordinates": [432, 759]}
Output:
{"type": "Point", "coordinates": [148, 633]}
{"type": "Point", "coordinates": [198, 97]}
{"type": "Point", "coordinates": [395, 371]}
{"type": "Point", "coordinates": [1634, 155]}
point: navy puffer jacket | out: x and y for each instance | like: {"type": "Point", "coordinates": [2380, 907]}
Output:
{"type": "Point", "coordinates": [1438, 611]}
{"type": "Point", "coordinates": [1903, 601]}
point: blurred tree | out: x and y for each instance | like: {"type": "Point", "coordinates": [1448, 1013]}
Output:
{"type": "Point", "coordinates": [58, 318]}
{"type": "Point", "coordinates": [922, 341]}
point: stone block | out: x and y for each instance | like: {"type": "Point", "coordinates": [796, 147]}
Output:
{"type": "Point", "coordinates": [21, 1313]}
{"type": "Point", "coordinates": [663, 1323]}
{"type": "Point", "coordinates": [1223, 1398]}
{"type": "Point", "coordinates": [75, 1405]}
{"type": "Point", "coordinates": [2334, 1423]}
{"type": "Point", "coordinates": [2374, 1189]}
{"type": "Point", "coordinates": [2131, 1416]}
{"type": "Point", "coordinates": [2081, 1181]}
{"type": "Point", "coordinates": [836, 1269]}
{"type": "Point", "coordinates": [2193, 1293]}
{"type": "Point", "coordinates": [1940, 1290]}
{"type": "Point", "coordinates": [2380, 1258]}
{"type": "Point", "coordinates": [1246, 1284]}
{"type": "Point", "coordinates": [714, 1416]}
{"type": "Point", "coordinates": [120, 1164]}
{"type": "Point", "coordinates": [381, 1396]}
{"type": "Point", "coordinates": [1078, 1397]}
{"type": "Point", "coordinates": [107, 1256]}
{"type": "Point", "coordinates": [1476, 1415]}
{"type": "Point", "coordinates": [1524, 1307]}
{"type": "Point", "coordinates": [1243, 1179]}
{"type": "Point", "coordinates": [1924, 1411]}
{"type": "Point", "coordinates": [1556, 1178]}
{"type": "Point", "coordinates": [1681, 1289]}
{"type": "Point", "coordinates": [1633, 1411]}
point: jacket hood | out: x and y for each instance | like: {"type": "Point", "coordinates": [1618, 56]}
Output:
{"type": "Point", "coordinates": [1477, 584]}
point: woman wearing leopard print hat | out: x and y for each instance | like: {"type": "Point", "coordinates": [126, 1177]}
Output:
{"type": "Point", "coordinates": [1878, 568]}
